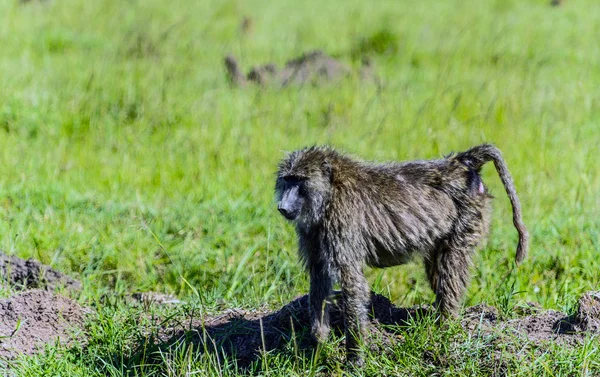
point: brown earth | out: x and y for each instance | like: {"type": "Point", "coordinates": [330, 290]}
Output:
{"type": "Point", "coordinates": [36, 316]}
{"type": "Point", "coordinates": [30, 274]}
{"type": "Point", "coordinates": [31, 319]}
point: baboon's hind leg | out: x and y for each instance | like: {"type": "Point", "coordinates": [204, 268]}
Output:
{"type": "Point", "coordinates": [449, 276]}
{"type": "Point", "coordinates": [431, 270]}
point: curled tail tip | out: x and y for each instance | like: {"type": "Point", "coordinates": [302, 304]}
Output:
{"type": "Point", "coordinates": [478, 155]}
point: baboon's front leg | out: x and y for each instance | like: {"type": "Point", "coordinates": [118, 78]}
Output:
{"type": "Point", "coordinates": [320, 289]}
{"type": "Point", "coordinates": [355, 298]}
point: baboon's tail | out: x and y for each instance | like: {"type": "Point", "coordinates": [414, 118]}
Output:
{"type": "Point", "coordinates": [476, 157]}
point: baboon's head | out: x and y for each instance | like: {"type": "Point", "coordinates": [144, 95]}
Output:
{"type": "Point", "coordinates": [303, 187]}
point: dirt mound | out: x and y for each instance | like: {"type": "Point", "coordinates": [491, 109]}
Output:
{"type": "Point", "coordinates": [37, 316]}
{"type": "Point", "coordinates": [246, 334]}
{"type": "Point", "coordinates": [537, 327]}
{"type": "Point", "coordinates": [31, 274]}
{"type": "Point", "coordinates": [34, 318]}
{"type": "Point", "coordinates": [313, 67]}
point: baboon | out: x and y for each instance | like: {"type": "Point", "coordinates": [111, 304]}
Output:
{"type": "Point", "coordinates": [264, 74]}
{"type": "Point", "coordinates": [312, 67]}
{"type": "Point", "coordinates": [234, 75]}
{"type": "Point", "coordinates": [349, 213]}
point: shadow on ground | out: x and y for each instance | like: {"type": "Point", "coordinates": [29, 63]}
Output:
{"type": "Point", "coordinates": [244, 336]}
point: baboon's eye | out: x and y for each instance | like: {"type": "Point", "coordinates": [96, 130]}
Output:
{"type": "Point", "coordinates": [292, 180]}
{"type": "Point", "coordinates": [297, 183]}
{"type": "Point", "coordinates": [302, 190]}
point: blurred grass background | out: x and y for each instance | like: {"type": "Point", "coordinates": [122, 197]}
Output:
{"type": "Point", "coordinates": [127, 161]}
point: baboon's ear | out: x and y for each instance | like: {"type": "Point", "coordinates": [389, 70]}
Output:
{"type": "Point", "coordinates": [327, 170]}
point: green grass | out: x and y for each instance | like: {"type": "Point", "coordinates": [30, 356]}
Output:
{"type": "Point", "coordinates": [128, 162]}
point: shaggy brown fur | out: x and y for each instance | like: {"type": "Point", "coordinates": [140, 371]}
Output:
{"type": "Point", "coordinates": [349, 213]}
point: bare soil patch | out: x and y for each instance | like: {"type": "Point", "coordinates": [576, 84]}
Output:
{"type": "Point", "coordinates": [31, 274]}
{"type": "Point", "coordinates": [36, 316]}
{"type": "Point", "coordinates": [32, 319]}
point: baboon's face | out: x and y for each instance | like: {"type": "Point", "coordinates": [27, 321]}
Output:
{"type": "Point", "coordinates": [304, 186]}
{"type": "Point", "coordinates": [292, 196]}
{"type": "Point", "coordinates": [302, 199]}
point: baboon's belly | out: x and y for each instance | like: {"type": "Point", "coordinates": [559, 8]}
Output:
{"type": "Point", "coordinates": [400, 252]}
{"type": "Point", "coordinates": [416, 227]}
{"type": "Point", "coordinates": [387, 259]}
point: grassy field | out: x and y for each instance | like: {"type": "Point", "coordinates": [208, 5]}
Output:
{"type": "Point", "coordinates": [128, 162]}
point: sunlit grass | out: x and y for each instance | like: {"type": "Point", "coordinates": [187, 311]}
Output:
{"type": "Point", "coordinates": [128, 162]}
